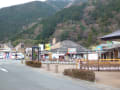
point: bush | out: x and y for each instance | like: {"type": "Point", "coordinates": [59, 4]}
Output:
{"type": "Point", "coordinates": [37, 64]}
{"type": "Point", "coordinates": [81, 74]}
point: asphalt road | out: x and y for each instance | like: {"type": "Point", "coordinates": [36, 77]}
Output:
{"type": "Point", "coordinates": [15, 76]}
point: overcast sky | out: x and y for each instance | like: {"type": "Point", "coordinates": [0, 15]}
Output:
{"type": "Point", "coordinates": [6, 3]}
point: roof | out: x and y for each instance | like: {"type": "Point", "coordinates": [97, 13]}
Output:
{"type": "Point", "coordinates": [114, 35]}
{"type": "Point", "coordinates": [113, 47]}
{"type": "Point", "coordinates": [9, 45]}
{"type": "Point", "coordinates": [69, 44]}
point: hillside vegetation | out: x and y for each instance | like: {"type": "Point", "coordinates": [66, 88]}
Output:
{"type": "Point", "coordinates": [58, 4]}
{"type": "Point", "coordinates": [82, 23]}
{"type": "Point", "coordinates": [14, 19]}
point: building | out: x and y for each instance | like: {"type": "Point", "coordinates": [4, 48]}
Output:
{"type": "Point", "coordinates": [67, 50]}
{"type": "Point", "coordinates": [113, 36]}
{"type": "Point", "coordinates": [62, 47]}
{"type": "Point", "coordinates": [20, 47]}
{"type": "Point", "coordinates": [7, 47]}
{"type": "Point", "coordinates": [112, 50]}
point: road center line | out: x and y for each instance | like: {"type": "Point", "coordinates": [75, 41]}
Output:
{"type": "Point", "coordinates": [3, 69]}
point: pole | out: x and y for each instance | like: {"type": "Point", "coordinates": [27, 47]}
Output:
{"type": "Point", "coordinates": [38, 53]}
{"type": "Point", "coordinates": [98, 61]}
{"type": "Point", "coordinates": [56, 66]}
{"type": "Point", "coordinates": [32, 53]}
{"type": "Point", "coordinates": [87, 61]}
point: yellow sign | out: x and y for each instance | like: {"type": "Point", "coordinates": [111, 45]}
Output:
{"type": "Point", "coordinates": [47, 47]}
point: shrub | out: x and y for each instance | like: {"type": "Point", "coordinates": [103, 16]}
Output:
{"type": "Point", "coordinates": [68, 72]}
{"type": "Point", "coordinates": [37, 64]}
{"type": "Point", "coordinates": [81, 74]}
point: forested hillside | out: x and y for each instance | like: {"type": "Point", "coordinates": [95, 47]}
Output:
{"type": "Point", "coordinates": [82, 23]}
{"type": "Point", "coordinates": [14, 19]}
{"type": "Point", "coordinates": [58, 4]}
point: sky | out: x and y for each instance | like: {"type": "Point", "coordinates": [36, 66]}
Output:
{"type": "Point", "coordinates": [6, 3]}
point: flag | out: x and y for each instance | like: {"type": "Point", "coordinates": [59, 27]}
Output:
{"type": "Point", "coordinates": [47, 47]}
{"type": "Point", "coordinates": [41, 47]}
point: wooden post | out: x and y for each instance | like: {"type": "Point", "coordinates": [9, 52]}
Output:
{"type": "Point", "coordinates": [113, 54]}
{"type": "Point", "coordinates": [22, 61]}
{"type": "Point", "coordinates": [56, 68]}
{"type": "Point", "coordinates": [48, 66]}
{"type": "Point", "coordinates": [109, 55]}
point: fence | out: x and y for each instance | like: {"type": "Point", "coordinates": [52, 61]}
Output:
{"type": "Point", "coordinates": [84, 63]}
{"type": "Point", "coordinates": [101, 65]}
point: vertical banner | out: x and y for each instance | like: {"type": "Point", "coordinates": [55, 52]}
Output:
{"type": "Point", "coordinates": [41, 46]}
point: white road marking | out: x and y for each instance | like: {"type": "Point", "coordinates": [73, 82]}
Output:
{"type": "Point", "coordinates": [3, 69]}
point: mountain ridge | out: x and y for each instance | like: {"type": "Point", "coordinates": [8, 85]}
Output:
{"type": "Point", "coordinates": [17, 16]}
{"type": "Point", "coordinates": [81, 23]}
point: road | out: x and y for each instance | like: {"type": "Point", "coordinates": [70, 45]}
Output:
{"type": "Point", "coordinates": [16, 76]}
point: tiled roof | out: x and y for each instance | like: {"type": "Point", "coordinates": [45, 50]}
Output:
{"type": "Point", "coordinates": [69, 44]}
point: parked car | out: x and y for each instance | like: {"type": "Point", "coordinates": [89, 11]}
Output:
{"type": "Point", "coordinates": [20, 56]}
{"type": "Point", "coordinates": [17, 56]}
{"type": "Point", "coordinates": [1, 55]}
{"type": "Point", "coordinates": [13, 56]}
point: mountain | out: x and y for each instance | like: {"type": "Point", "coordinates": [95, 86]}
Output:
{"type": "Point", "coordinates": [58, 4]}
{"type": "Point", "coordinates": [45, 28]}
{"type": "Point", "coordinates": [15, 18]}
{"type": "Point", "coordinates": [82, 23]}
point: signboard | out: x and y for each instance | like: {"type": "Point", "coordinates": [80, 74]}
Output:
{"type": "Point", "coordinates": [93, 56]}
{"type": "Point", "coordinates": [109, 44]}
{"type": "Point", "coordinates": [56, 56]}
{"type": "Point", "coordinates": [99, 48]}
{"type": "Point", "coordinates": [47, 47]}
{"type": "Point", "coordinates": [72, 50]}
{"type": "Point", "coordinates": [41, 46]}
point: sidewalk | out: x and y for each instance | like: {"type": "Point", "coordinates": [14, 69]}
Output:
{"type": "Point", "coordinates": [104, 78]}
{"type": "Point", "coordinates": [61, 67]}
{"type": "Point", "coordinates": [108, 78]}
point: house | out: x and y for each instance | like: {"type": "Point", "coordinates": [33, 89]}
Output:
{"type": "Point", "coordinates": [67, 49]}
{"type": "Point", "coordinates": [64, 46]}
{"type": "Point", "coordinates": [20, 47]}
{"type": "Point", "coordinates": [7, 47]}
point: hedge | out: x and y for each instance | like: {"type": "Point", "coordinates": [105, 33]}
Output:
{"type": "Point", "coordinates": [81, 74]}
{"type": "Point", "coordinates": [37, 64]}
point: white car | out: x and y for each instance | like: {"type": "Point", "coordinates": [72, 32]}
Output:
{"type": "Point", "coordinates": [13, 56]}
{"type": "Point", "coordinates": [20, 56]}
{"type": "Point", "coordinates": [1, 55]}
{"type": "Point", "coordinates": [17, 56]}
